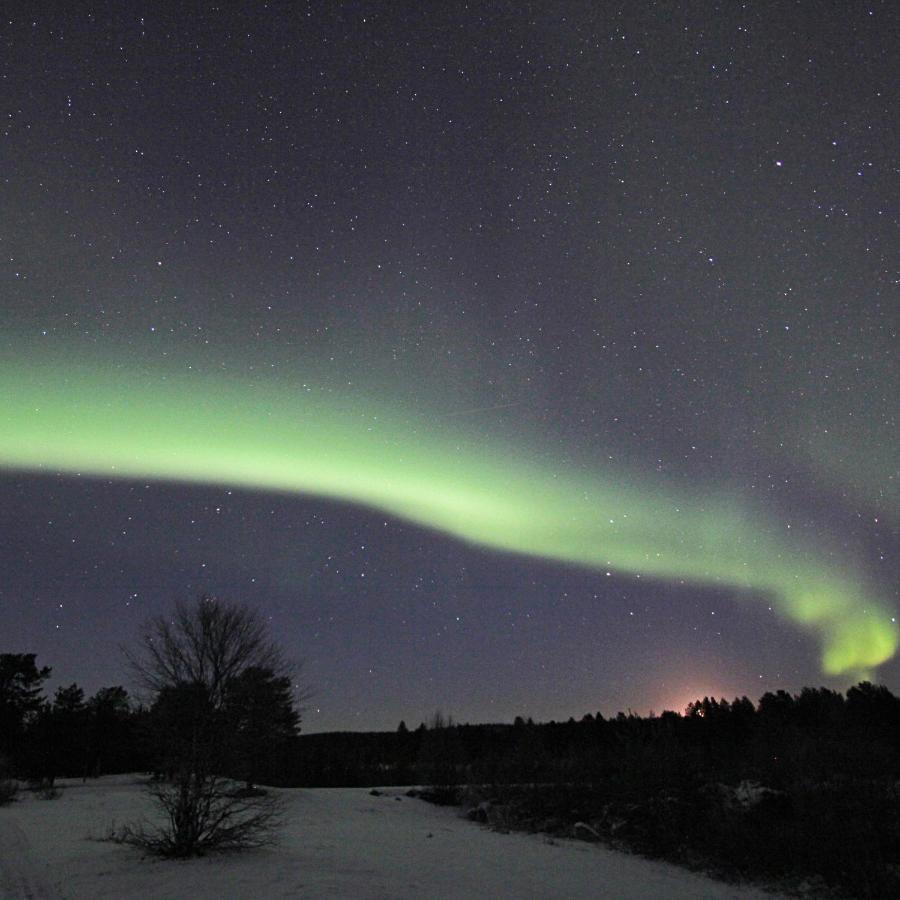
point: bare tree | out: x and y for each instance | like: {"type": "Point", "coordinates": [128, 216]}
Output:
{"type": "Point", "coordinates": [195, 663]}
{"type": "Point", "coordinates": [207, 642]}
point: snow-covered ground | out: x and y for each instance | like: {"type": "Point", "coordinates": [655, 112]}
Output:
{"type": "Point", "coordinates": [339, 842]}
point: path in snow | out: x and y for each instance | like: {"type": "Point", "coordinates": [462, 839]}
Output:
{"type": "Point", "coordinates": [340, 842]}
{"type": "Point", "coordinates": [19, 876]}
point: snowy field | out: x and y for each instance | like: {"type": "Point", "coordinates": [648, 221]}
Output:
{"type": "Point", "coordinates": [338, 842]}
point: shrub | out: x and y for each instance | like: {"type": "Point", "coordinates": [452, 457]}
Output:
{"type": "Point", "coordinates": [8, 787]}
{"type": "Point", "coordinates": [8, 791]}
{"type": "Point", "coordinates": [203, 814]}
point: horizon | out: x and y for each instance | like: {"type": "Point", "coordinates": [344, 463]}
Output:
{"type": "Point", "coordinates": [413, 723]}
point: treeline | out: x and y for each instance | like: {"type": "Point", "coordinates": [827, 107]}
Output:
{"type": "Point", "coordinates": [818, 733]}
{"type": "Point", "coordinates": [67, 735]}
{"type": "Point", "coordinates": [70, 735]}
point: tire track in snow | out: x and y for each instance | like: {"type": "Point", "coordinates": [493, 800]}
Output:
{"type": "Point", "coordinates": [20, 878]}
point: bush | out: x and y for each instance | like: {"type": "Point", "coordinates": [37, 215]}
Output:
{"type": "Point", "coordinates": [8, 791]}
{"type": "Point", "coordinates": [44, 788]}
{"type": "Point", "coordinates": [204, 814]}
{"type": "Point", "coordinates": [49, 792]}
{"type": "Point", "coordinates": [8, 787]}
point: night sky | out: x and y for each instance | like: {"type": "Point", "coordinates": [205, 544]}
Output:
{"type": "Point", "coordinates": [510, 358]}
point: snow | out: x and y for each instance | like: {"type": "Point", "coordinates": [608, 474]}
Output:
{"type": "Point", "coordinates": [337, 842]}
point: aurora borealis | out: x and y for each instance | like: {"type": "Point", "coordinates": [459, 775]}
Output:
{"type": "Point", "coordinates": [488, 352]}
{"type": "Point", "coordinates": [77, 421]}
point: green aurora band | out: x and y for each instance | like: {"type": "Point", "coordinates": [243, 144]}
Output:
{"type": "Point", "coordinates": [110, 421]}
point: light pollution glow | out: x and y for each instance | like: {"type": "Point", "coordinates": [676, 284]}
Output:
{"type": "Point", "coordinates": [118, 422]}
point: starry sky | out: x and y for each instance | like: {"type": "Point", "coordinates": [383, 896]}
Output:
{"type": "Point", "coordinates": [510, 358]}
